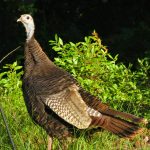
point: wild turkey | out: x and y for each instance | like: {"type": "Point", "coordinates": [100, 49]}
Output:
{"type": "Point", "coordinates": [57, 103]}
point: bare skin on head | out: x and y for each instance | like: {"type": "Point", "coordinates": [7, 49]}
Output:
{"type": "Point", "coordinates": [28, 23]}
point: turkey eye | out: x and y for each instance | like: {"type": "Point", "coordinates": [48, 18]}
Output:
{"type": "Point", "coordinates": [28, 17]}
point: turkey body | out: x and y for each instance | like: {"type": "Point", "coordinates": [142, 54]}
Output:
{"type": "Point", "coordinates": [56, 101]}
{"type": "Point", "coordinates": [43, 79]}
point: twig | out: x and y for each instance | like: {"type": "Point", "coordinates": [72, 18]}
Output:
{"type": "Point", "coordinates": [8, 131]}
{"type": "Point", "coordinates": [9, 54]}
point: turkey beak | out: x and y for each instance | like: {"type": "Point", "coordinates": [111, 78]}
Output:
{"type": "Point", "coordinates": [19, 20]}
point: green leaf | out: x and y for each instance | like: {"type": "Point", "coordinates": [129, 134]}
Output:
{"type": "Point", "coordinates": [60, 41]}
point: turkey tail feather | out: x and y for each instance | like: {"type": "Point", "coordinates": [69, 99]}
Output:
{"type": "Point", "coordinates": [96, 104]}
{"type": "Point", "coordinates": [124, 115]}
{"type": "Point", "coordinates": [117, 126]}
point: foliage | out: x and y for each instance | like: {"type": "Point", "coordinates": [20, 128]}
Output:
{"type": "Point", "coordinates": [99, 73]}
{"type": "Point", "coordinates": [12, 81]}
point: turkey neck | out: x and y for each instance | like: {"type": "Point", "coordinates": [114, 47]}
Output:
{"type": "Point", "coordinates": [34, 55]}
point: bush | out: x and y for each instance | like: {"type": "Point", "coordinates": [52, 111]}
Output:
{"type": "Point", "coordinates": [99, 73]}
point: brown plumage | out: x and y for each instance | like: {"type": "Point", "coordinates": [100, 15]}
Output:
{"type": "Point", "coordinates": [57, 103]}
